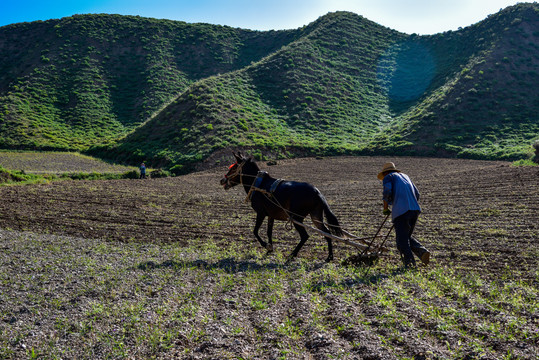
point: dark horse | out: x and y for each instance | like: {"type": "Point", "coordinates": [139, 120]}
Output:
{"type": "Point", "coordinates": [281, 200]}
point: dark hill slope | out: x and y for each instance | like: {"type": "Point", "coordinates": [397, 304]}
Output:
{"type": "Point", "coordinates": [83, 80]}
{"type": "Point", "coordinates": [488, 105]}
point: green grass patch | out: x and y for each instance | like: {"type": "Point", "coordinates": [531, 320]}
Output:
{"type": "Point", "coordinates": [524, 162]}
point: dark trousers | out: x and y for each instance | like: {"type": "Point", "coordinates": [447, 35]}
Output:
{"type": "Point", "coordinates": [406, 243]}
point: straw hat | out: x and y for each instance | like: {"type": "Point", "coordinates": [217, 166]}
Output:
{"type": "Point", "coordinates": [387, 167]}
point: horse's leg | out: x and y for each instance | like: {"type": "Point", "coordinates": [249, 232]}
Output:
{"type": "Point", "coordinates": [318, 221]}
{"type": "Point", "coordinates": [259, 220]}
{"type": "Point", "coordinates": [269, 247]}
{"type": "Point", "coordinates": [303, 235]}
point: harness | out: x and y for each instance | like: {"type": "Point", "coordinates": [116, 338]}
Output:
{"type": "Point", "coordinates": [259, 178]}
{"type": "Point", "coordinates": [236, 172]}
{"type": "Point", "coordinates": [275, 185]}
{"type": "Point", "coordinates": [258, 182]}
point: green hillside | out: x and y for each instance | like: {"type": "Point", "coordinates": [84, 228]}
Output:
{"type": "Point", "coordinates": [352, 86]}
{"type": "Point", "coordinates": [88, 79]}
{"type": "Point", "coordinates": [317, 94]}
{"type": "Point", "coordinates": [176, 94]}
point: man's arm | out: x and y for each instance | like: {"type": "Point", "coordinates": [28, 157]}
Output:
{"type": "Point", "coordinates": [387, 195]}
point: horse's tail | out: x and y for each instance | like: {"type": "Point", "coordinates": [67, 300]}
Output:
{"type": "Point", "coordinates": [334, 226]}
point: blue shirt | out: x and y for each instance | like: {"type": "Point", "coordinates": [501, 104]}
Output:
{"type": "Point", "coordinates": [401, 193]}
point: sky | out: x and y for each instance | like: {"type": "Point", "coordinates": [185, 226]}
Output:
{"type": "Point", "coordinates": [422, 17]}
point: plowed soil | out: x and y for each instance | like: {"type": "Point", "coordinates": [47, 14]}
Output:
{"type": "Point", "coordinates": [468, 207]}
{"type": "Point", "coordinates": [478, 217]}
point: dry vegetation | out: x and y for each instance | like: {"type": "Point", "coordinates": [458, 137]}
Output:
{"type": "Point", "coordinates": [168, 268]}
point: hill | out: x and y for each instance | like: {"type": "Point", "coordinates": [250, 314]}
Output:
{"type": "Point", "coordinates": [351, 86]}
{"type": "Point", "coordinates": [71, 83]}
{"type": "Point", "coordinates": [485, 101]}
{"type": "Point", "coordinates": [318, 93]}
{"type": "Point", "coordinates": [177, 94]}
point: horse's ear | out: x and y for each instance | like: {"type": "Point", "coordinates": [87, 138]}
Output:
{"type": "Point", "coordinates": [241, 157]}
{"type": "Point", "coordinates": [238, 156]}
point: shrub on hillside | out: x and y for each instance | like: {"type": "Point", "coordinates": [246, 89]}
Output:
{"type": "Point", "coordinates": [178, 169]}
{"type": "Point", "coordinates": [17, 176]}
{"type": "Point", "coordinates": [133, 174]}
{"type": "Point", "coordinates": [159, 173]}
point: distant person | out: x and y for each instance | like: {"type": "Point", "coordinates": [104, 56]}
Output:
{"type": "Point", "coordinates": [142, 171]}
{"type": "Point", "coordinates": [401, 193]}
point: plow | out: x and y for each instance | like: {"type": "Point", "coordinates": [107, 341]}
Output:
{"type": "Point", "coordinates": [370, 252]}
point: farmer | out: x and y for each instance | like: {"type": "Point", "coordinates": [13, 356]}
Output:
{"type": "Point", "coordinates": [142, 171]}
{"type": "Point", "coordinates": [401, 193]}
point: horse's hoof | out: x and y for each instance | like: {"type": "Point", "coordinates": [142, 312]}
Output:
{"type": "Point", "coordinates": [289, 259]}
{"type": "Point", "coordinates": [329, 259]}
{"type": "Point", "coordinates": [269, 247]}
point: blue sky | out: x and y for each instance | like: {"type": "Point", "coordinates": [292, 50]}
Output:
{"type": "Point", "coordinates": [409, 16]}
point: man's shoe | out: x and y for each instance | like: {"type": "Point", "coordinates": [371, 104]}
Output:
{"type": "Point", "coordinates": [425, 257]}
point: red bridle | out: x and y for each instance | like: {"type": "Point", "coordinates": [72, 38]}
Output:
{"type": "Point", "coordinates": [230, 167]}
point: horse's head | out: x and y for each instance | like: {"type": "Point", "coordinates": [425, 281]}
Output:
{"type": "Point", "coordinates": [240, 172]}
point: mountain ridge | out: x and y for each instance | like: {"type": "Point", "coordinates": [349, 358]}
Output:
{"type": "Point", "coordinates": [176, 94]}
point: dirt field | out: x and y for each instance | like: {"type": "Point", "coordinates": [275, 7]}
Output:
{"type": "Point", "coordinates": [181, 251]}
{"type": "Point", "coordinates": [53, 162]}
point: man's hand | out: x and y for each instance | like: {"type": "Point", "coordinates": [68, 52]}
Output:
{"type": "Point", "coordinates": [387, 212]}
